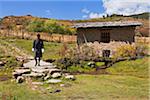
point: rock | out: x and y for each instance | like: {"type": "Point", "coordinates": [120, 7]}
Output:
{"type": "Point", "coordinates": [55, 91]}
{"type": "Point", "coordinates": [40, 70]}
{"type": "Point", "coordinates": [51, 71]}
{"type": "Point", "coordinates": [33, 74]}
{"type": "Point", "coordinates": [71, 77]}
{"type": "Point", "coordinates": [56, 75]}
{"type": "Point", "coordinates": [2, 63]}
{"type": "Point", "coordinates": [91, 64]}
{"type": "Point", "coordinates": [15, 75]}
{"type": "Point", "coordinates": [43, 64]}
{"type": "Point", "coordinates": [65, 85]}
{"type": "Point", "coordinates": [37, 83]}
{"type": "Point", "coordinates": [22, 71]}
{"type": "Point", "coordinates": [20, 79]}
{"type": "Point", "coordinates": [62, 85]}
{"type": "Point", "coordinates": [54, 81]}
{"type": "Point", "coordinates": [47, 77]}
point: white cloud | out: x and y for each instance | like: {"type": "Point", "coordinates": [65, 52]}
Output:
{"type": "Point", "coordinates": [95, 15]}
{"type": "Point", "coordinates": [85, 16]}
{"type": "Point", "coordinates": [84, 10]}
{"type": "Point", "coordinates": [48, 12]}
{"type": "Point", "coordinates": [123, 7]}
{"type": "Point", "coordinates": [126, 7]}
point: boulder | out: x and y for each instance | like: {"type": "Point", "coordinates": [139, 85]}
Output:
{"type": "Point", "coordinates": [54, 81]}
{"type": "Point", "coordinates": [20, 79]}
{"type": "Point", "coordinates": [56, 75]}
{"type": "Point", "coordinates": [71, 77]}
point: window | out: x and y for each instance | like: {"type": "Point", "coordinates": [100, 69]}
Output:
{"type": "Point", "coordinates": [105, 37]}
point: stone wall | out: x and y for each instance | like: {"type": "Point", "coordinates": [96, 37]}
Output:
{"type": "Point", "coordinates": [125, 34]}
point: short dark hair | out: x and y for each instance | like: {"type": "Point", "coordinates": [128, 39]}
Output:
{"type": "Point", "coordinates": [38, 35]}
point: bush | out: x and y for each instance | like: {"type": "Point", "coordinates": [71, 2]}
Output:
{"type": "Point", "coordinates": [49, 26]}
{"type": "Point", "coordinates": [126, 50]}
{"type": "Point", "coordinates": [131, 50]}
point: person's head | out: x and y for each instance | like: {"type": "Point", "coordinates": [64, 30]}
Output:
{"type": "Point", "coordinates": [38, 36]}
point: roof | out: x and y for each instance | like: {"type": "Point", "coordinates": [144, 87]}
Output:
{"type": "Point", "coordinates": [106, 24]}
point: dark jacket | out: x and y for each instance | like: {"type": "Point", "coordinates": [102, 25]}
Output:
{"type": "Point", "coordinates": [38, 45]}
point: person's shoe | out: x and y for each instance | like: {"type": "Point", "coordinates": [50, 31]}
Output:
{"type": "Point", "coordinates": [38, 64]}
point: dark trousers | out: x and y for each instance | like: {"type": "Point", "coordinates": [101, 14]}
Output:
{"type": "Point", "coordinates": [38, 55]}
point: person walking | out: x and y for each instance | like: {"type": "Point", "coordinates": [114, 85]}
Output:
{"type": "Point", "coordinates": [38, 49]}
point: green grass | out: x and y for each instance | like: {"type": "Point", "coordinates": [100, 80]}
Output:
{"type": "Point", "coordinates": [138, 68]}
{"type": "Point", "coordinates": [51, 48]}
{"type": "Point", "coordinates": [127, 80]}
{"type": "Point", "coordinates": [86, 87]}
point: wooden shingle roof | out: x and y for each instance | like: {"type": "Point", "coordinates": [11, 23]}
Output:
{"type": "Point", "coordinates": [106, 24]}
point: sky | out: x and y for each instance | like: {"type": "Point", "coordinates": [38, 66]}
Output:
{"type": "Point", "coordinates": [72, 9]}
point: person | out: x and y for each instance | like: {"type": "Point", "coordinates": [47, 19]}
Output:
{"type": "Point", "coordinates": [38, 49]}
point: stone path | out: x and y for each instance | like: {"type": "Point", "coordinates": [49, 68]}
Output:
{"type": "Point", "coordinates": [43, 64]}
{"type": "Point", "coordinates": [46, 71]}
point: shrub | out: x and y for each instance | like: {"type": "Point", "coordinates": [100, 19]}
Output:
{"type": "Point", "coordinates": [125, 50]}
{"type": "Point", "coordinates": [49, 26]}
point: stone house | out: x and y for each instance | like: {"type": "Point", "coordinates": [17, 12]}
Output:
{"type": "Point", "coordinates": [106, 31]}
{"type": "Point", "coordinates": [106, 34]}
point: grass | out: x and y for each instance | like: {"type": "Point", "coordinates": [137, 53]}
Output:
{"type": "Point", "coordinates": [86, 87]}
{"type": "Point", "coordinates": [51, 48]}
{"type": "Point", "coordinates": [120, 85]}
{"type": "Point", "coordinates": [127, 80]}
{"type": "Point", "coordinates": [138, 68]}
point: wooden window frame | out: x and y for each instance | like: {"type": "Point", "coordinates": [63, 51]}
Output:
{"type": "Point", "coordinates": [105, 37]}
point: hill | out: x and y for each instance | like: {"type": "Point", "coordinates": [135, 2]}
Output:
{"type": "Point", "coordinates": [37, 24]}
{"type": "Point", "coordinates": [141, 16]}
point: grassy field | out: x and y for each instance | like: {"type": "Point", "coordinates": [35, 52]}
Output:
{"type": "Point", "coordinates": [86, 87]}
{"type": "Point", "coordinates": [126, 80]}
{"type": "Point", "coordinates": [52, 49]}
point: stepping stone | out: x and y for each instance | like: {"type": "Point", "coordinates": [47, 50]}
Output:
{"type": "Point", "coordinates": [51, 71]}
{"type": "Point", "coordinates": [56, 75]}
{"type": "Point", "coordinates": [40, 70]}
{"type": "Point", "coordinates": [22, 71]}
{"type": "Point", "coordinates": [33, 74]}
{"type": "Point", "coordinates": [43, 64]}
{"type": "Point", "coordinates": [71, 77]}
{"type": "Point", "coordinates": [37, 83]}
{"type": "Point", "coordinates": [54, 81]}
